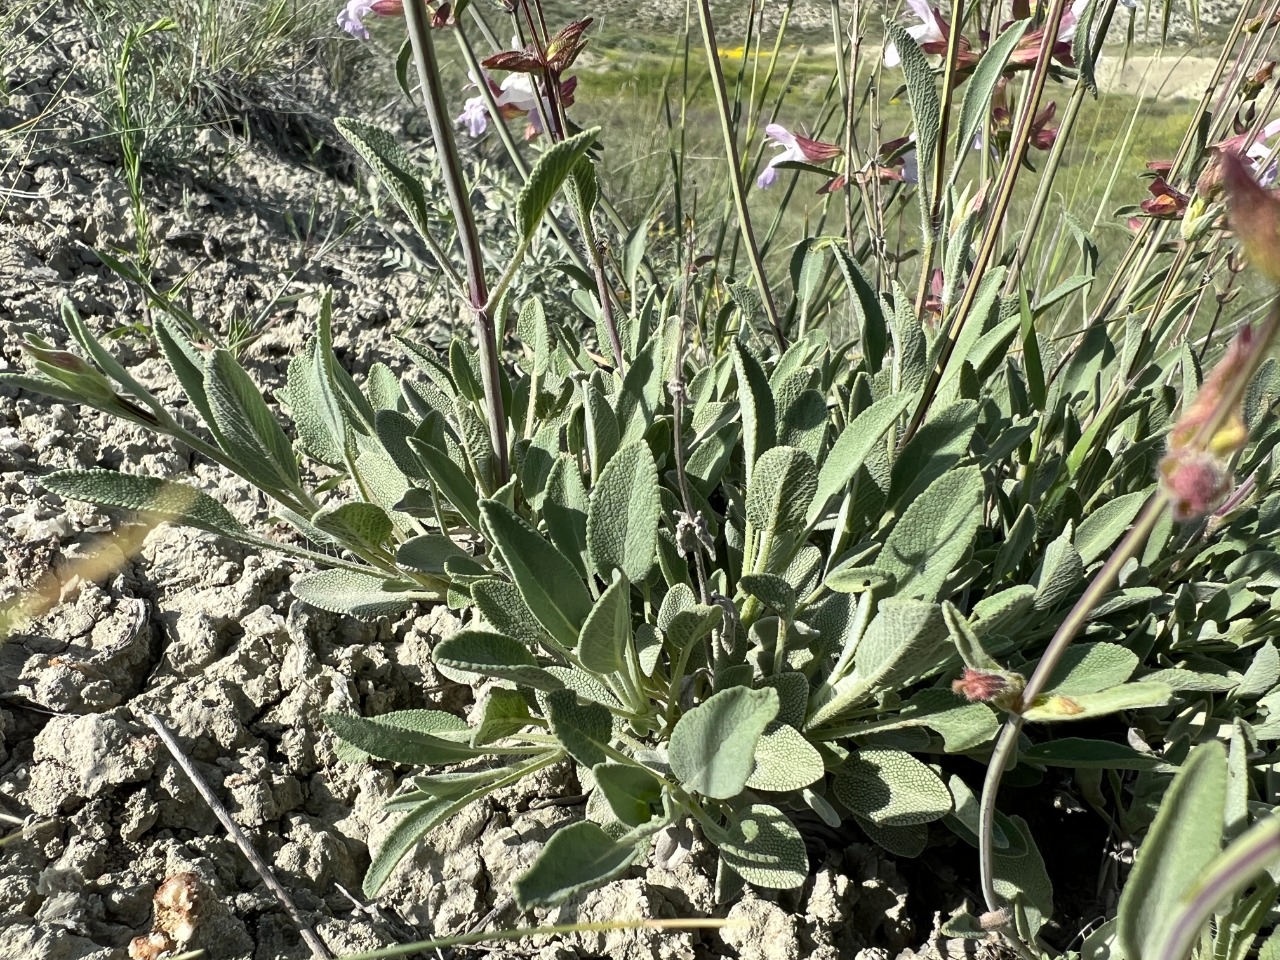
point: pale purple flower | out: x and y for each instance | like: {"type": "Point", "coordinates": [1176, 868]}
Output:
{"type": "Point", "coordinates": [515, 97]}
{"type": "Point", "coordinates": [790, 151]}
{"type": "Point", "coordinates": [796, 148]}
{"type": "Point", "coordinates": [910, 167]}
{"type": "Point", "coordinates": [351, 18]}
{"type": "Point", "coordinates": [926, 31]}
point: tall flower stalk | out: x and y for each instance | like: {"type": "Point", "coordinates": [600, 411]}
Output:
{"type": "Point", "coordinates": [417, 19]}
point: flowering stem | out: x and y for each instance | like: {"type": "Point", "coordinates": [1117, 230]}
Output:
{"type": "Point", "coordinates": [1006, 745]}
{"type": "Point", "coordinates": [418, 23]}
{"type": "Point", "coordinates": [1049, 175]}
{"type": "Point", "coordinates": [936, 175]}
{"type": "Point", "coordinates": [508, 141]}
{"type": "Point", "coordinates": [735, 171]}
{"type": "Point", "coordinates": [999, 209]}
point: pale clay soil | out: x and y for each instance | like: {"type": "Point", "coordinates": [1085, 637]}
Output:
{"type": "Point", "coordinates": [206, 635]}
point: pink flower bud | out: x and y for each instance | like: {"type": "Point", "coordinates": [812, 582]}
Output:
{"type": "Point", "coordinates": [1195, 482]}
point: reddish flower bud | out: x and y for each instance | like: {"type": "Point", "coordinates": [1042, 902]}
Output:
{"type": "Point", "coordinates": [1254, 215]}
{"type": "Point", "coordinates": [1000, 688]}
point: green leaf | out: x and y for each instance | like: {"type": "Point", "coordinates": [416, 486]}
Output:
{"type": "Point", "coordinates": [623, 516]}
{"type": "Point", "coordinates": [1100, 530]}
{"type": "Point", "coordinates": [1024, 878]}
{"type": "Point", "coordinates": [493, 655]}
{"type": "Point", "coordinates": [365, 595]}
{"type": "Point", "coordinates": [427, 553]}
{"type": "Point", "coordinates": [576, 858]}
{"type": "Point", "coordinates": [503, 714]}
{"type": "Point", "coordinates": [763, 846]}
{"type": "Point", "coordinates": [163, 499]}
{"type": "Point", "coordinates": [926, 109]}
{"type": "Point", "coordinates": [793, 696]}
{"type": "Point", "coordinates": [772, 590]}
{"type": "Point", "coordinates": [403, 837]}
{"type": "Point", "coordinates": [601, 426]}
{"type": "Point", "coordinates": [1126, 696]}
{"type": "Point", "coordinates": [546, 178]}
{"type": "Point", "coordinates": [554, 592]}
{"type": "Point", "coordinates": [565, 511]}
{"type": "Point", "coordinates": [713, 745]}
{"type": "Point", "coordinates": [891, 788]}
{"type": "Point", "coordinates": [405, 737]}
{"type": "Point", "coordinates": [364, 525]}
{"type": "Point", "coordinates": [934, 533]}
{"type": "Point", "coordinates": [1061, 571]}
{"type": "Point", "coordinates": [449, 480]}
{"type": "Point", "coordinates": [943, 440]}
{"type": "Point", "coordinates": [602, 645]}
{"type": "Point", "coordinates": [756, 402]}
{"type": "Point", "coordinates": [502, 607]}
{"type": "Point", "coordinates": [186, 362]}
{"type": "Point", "coordinates": [851, 449]}
{"type": "Point", "coordinates": [907, 840]}
{"type": "Point", "coordinates": [247, 429]}
{"type": "Point", "coordinates": [1081, 754]}
{"type": "Point", "coordinates": [634, 795]}
{"type": "Point", "coordinates": [781, 488]}
{"type": "Point", "coordinates": [1090, 667]}
{"type": "Point", "coordinates": [980, 86]}
{"type": "Point", "coordinates": [903, 641]}
{"type": "Point", "coordinates": [583, 729]}
{"type": "Point", "coordinates": [785, 761]}
{"type": "Point", "coordinates": [379, 150]}
{"type": "Point", "coordinates": [1184, 838]}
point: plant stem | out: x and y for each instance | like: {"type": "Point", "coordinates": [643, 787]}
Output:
{"type": "Point", "coordinates": [735, 172]}
{"type": "Point", "coordinates": [1006, 744]}
{"type": "Point", "coordinates": [419, 27]}
{"type": "Point", "coordinates": [999, 209]}
{"type": "Point", "coordinates": [937, 174]}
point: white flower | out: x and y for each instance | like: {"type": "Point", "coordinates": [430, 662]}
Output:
{"type": "Point", "coordinates": [926, 31]}
{"type": "Point", "coordinates": [351, 18]}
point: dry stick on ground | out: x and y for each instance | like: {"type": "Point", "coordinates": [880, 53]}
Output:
{"type": "Point", "coordinates": [309, 936]}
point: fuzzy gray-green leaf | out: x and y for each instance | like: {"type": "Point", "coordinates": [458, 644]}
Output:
{"type": "Point", "coordinates": [493, 655]}
{"type": "Point", "coordinates": [853, 446]}
{"type": "Point", "coordinates": [551, 588]}
{"type": "Point", "coordinates": [603, 642]}
{"type": "Point", "coordinates": [175, 502]}
{"type": "Point", "coordinates": [1185, 837]}
{"type": "Point", "coordinates": [576, 858]}
{"type": "Point", "coordinates": [934, 533]}
{"type": "Point", "coordinates": [364, 525]}
{"type": "Point", "coordinates": [246, 426]}
{"type": "Point", "coordinates": [623, 516]}
{"type": "Point", "coordinates": [632, 794]}
{"type": "Point", "coordinates": [781, 489]}
{"type": "Point", "coordinates": [891, 788]}
{"type": "Point", "coordinates": [713, 745]}
{"type": "Point", "coordinates": [583, 729]}
{"type": "Point", "coordinates": [364, 595]}
{"type": "Point", "coordinates": [764, 847]}
{"type": "Point", "coordinates": [546, 178]}
{"type": "Point", "coordinates": [785, 761]}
